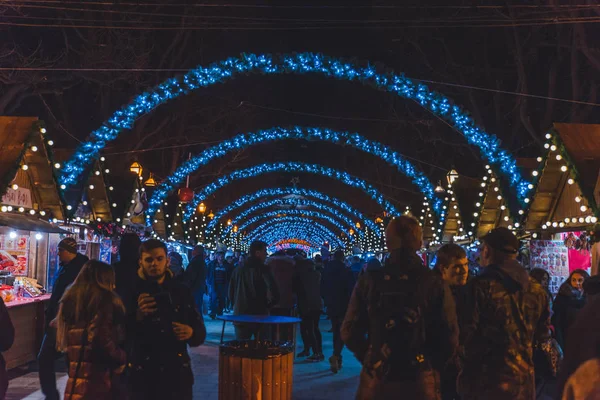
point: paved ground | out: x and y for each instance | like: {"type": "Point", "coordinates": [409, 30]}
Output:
{"type": "Point", "coordinates": [311, 380]}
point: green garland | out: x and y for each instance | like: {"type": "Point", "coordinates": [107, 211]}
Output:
{"type": "Point", "coordinates": [10, 174]}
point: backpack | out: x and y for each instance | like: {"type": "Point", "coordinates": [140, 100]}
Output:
{"type": "Point", "coordinates": [396, 331]}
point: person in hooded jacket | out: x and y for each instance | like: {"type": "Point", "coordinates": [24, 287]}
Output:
{"type": "Point", "coordinates": [569, 300]}
{"type": "Point", "coordinates": [7, 337]}
{"type": "Point", "coordinates": [506, 314]}
{"type": "Point", "coordinates": [71, 263]}
{"type": "Point", "coordinates": [126, 268]}
{"type": "Point", "coordinates": [337, 285]}
{"type": "Point", "coordinates": [307, 284]}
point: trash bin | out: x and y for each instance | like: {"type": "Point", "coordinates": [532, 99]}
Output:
{"type": "Point", "coordinates": [256, 370]}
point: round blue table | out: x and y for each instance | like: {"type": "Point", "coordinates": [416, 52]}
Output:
{"type": "Point", "coordinates": [257, 319]}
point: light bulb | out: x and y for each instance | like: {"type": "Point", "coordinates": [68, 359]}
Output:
{"type": "Point", "coordinates": [38, 236]}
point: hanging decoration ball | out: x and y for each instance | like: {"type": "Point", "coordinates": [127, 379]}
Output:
{"type": "Point", "coordinates": [185, 195]}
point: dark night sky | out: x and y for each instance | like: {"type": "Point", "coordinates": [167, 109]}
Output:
{"type": "Point", "coordinates": [482, 57]}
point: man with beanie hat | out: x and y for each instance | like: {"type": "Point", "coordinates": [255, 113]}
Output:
{"type": "Point", "coordinates": [507, 314]}
{"type": "Point", "coordinates": [71, 263]}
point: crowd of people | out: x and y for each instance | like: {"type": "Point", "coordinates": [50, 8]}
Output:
{"type": "Point", "coordinates": [441, 333]}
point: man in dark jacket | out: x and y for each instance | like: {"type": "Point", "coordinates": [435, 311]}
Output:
{"type": "Point", "coordinates": [71, 263]}
{"type": "Point", "coordinates": [165, 322]}
{"type": "Point", "coordinates": [338, 283]}
{"type": "Point", "coordinates": [307, 286]}
{"type": "Point", "coordinates": [126, 268]}
{"type": "Point", "coordinates": [194, 276]}
{"type": "Point", "coordinates": [252, 289]}
{"type": "Point", "coordinates": [217, 280]}
{"type": "Point", "coordinates": [401, 322]}
{"type": "Point", "coordinates": [7, 336]}
{"type": "Point", "coordinates": [507, 314]}
{"type": "Point", "coordinates": [452, 266]}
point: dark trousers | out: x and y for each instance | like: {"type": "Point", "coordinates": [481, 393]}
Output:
{"type": "Point", "coordinates": [217, 299]}
{"type": "Point", "coordinates": [336, 326]}
{"type": "Point", "coordinates": [161, 390]}
{"type": "Point", "coordinates": [309, 329]}
{"type": "Point", "coordinates": [199, 299]}
{"type": "Point", "coordinates": [46, 358]}
{"type": "Point", "coordinates": [246, 331]}
{"type": "Point", "coordinates": [286, 331]}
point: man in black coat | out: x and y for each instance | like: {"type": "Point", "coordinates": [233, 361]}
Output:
{"type": "Point", "coordinates": [126, 268]}
{"type": "Point", "coordinates": [165, 322]}
{"type": "Point", "coordinates": [194, 276]}
{"type": "Point", "coordinates": [71, 263]}
{"type": "Point", "coordinates": [7, 336]}
{"type": "Point", "coordinates": [338, 283]}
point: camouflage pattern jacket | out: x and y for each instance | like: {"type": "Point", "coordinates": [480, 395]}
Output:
{"type": "Point", "coordinates": [507, 313]}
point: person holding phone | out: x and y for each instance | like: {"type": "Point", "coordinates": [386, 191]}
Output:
{"type": "Point", "coordinates": [164, 323]}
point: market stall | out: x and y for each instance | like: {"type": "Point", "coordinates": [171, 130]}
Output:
{"type": "Point", "coordinates": [564, 208]}
{"type": "Point", "coordinates": [27, 240]}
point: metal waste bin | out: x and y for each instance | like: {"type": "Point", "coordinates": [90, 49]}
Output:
{"type": "Point", "coordinates": [256, 370]}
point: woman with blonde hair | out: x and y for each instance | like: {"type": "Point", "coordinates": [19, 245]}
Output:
{"type": "Point", "coordinates": [89, 325]}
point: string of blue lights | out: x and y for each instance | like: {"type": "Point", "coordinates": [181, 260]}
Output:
{"type": "Point", "coordinates": [303, 63]}
{"type": "Point", "coordinates": [290, 166]}
{"type": "Point", "coordinates": [300, 226]}
{"type": "Point", "coordinates": [244, 140]}
{"type": "Point", "coordinates": [260, 194]}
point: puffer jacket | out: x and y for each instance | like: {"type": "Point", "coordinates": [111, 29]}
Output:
{"type": "Point", "coordinates": [566, 307]}
{"type": "Point", "coordinates": [282, 269]}
{"type": "Point", "coordinates": [253, 289]}
{"type": "Point", "coordinates": [507, 314]}
{"type": "Point", "coordinates": [93, 373]}
{"type": "Point", "coordinates": [438, 335]}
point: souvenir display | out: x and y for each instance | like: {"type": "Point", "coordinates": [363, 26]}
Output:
{"type": "Point", "coordinates": [553, 256]}
{"type": "Point", "coordinates": [14, 253]}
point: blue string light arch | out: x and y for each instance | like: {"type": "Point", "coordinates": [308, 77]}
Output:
{"type": "Point", "coordinates": [270, 192]}
{"type": "Point", "coordinates": [291, 166]}
{"type": "Point", "coordinates": [245, 140]}
{"type": "Point", "coordinates": [302, 63]}
{"type": "Point", "coordinates": [301, 225]}
{"type": "Point", "coordinates": [303, 213]}
{"type": "Point", "coordinates": [292, 202]}
{"type": "Point", "coordinates": [277, 234]}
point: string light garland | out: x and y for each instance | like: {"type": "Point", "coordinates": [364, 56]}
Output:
{"type": "Point", "coordinates": [303, 213]}
{"type": "Point", "coordinates": [291, 166]}
{"type": "Point", "coordinates": [302, 63]}
{"type": "Point", "coordinates": [260, 194]}
{"type": "Point", "coordinates": [301, 227]}
{"type": "Point", "coordinates": [291, 202]}
{"type": "Point", "coordinates": [245, 140]}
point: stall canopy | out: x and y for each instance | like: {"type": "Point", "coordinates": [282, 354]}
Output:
{"type": "Point", "coordinates": [26, 159]}
{"type": "Point", "coordinates": [566, 195]}
{"type": "Point", "coordinates": [27, 223]}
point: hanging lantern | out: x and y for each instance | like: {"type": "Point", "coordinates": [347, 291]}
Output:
{"type": "Point", "coordinates": [185, 195]}
{"type": "Point", "coordinates": [378, 220]}
{"type": "Point", "coordinates": [439, 188]}
{"type": "Point", "coordinates": [452, 176]}
{"type": "Point", "coordinates": [358, 225]}
{"type": "Point", "coordinates": [228, 222]}
{"type": "Point", "coordinates": [202, 208]}
{"type": "Point", "coordinates": [235, 228]}
{"type": "Point", "coordinates": [351, 231]}
{"type": "Point", "coordinates": [150, 182]}
{"type": "Point", "coordinates": [136, 168]}
{"type": "Point", "coordinates": [211, 215]}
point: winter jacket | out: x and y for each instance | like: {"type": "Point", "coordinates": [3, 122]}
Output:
{"type": "Point", "coordinates": [194, 276]}
{"type": "Point", "coordinates": [64, 277]}
{"type": "Point", "coordinates": [337, 284]}
{"type": "Point", "coordinates": [125, 276]}
{"type": "Point", "coordinates": [507, 314]}
{"type": "Point", "coordinates": [157, 354]}
{"type": "Point", "coordinates": [7, 337]}
{"type": "Point", "coordinates": [583, 342]}
{"type": "Point", "coordinates": [438, 331]}
{"type": "Point", "coordinates": [218, 274]}
{"type": "Point", "coordinates": [283, 270]}
{"type": "Point", "coordinates": [252, 289]}
{"type": "Point", "coordinates": [307, 286]}
{"type": "Point", "coordinates": [93, 374]}
{"type": "Point", "coordinates": [567, 304]}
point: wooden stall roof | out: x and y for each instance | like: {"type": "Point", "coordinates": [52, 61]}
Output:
{"type": "Point", "coordinates": [14, 133]}
{"type": "Point", "coordinates": [39, 178]}
{"type": "Point", "coordinates": [582, 143]}
{"type": "Point", "coordinates": [158, 224]}
{"type": "Point", "coordinates": [465, 190]}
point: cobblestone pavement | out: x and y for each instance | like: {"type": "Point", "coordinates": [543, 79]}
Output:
{"type": "Point", "coordinates": [311, 380]}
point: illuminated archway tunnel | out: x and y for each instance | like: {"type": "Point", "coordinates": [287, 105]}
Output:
{"type": "Point", "coordinates": [291, 166]}
{"type": "Point", "coordinates": [245, 140]}
{"type": "Point", "coordinates": [280, 234]}
{"type": "Point", "coordinates": [260, 194]}
{"type": "Point", "coordinates": [294, 203]}
{"type": "Point", "coordinates": [300, 213]}
{"type": "Point", "coordinates": [301, 227]}
{"type": "Point", "coordinates": [303, 63]}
